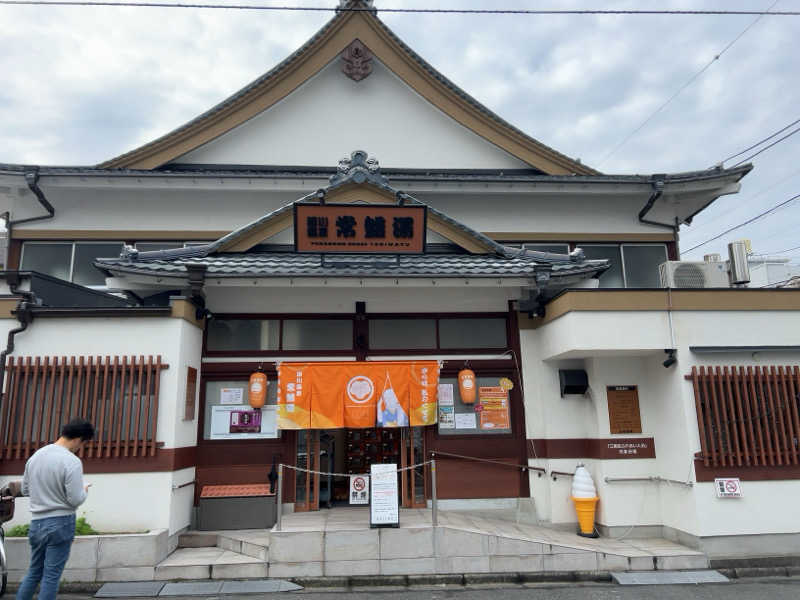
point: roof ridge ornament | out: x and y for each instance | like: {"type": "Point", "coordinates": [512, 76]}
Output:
{"type": "Point", "coordinates": [360, 4]}
{"type": "Point", "coordinates": [359, 169]}
{"type": "Point", "coordinates": [356, 61]}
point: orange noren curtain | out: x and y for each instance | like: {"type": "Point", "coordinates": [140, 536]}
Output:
{"type": "Point", "coordinates": [332, 395]}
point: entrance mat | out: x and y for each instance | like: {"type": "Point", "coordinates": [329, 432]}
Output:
{"type": "Point", "coordinates": [192, 588]}
{"type": "Point", "coordinates": [133, 589]}
{"type": "Point", "coordinates": [259, 586]}
{"type": "Point", "coordinates": [668, 577]}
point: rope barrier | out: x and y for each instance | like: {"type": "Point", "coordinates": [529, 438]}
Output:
{"type": "Point", "coordinates": [351, 474]}
{"type": "Point", "coordinates": [486, 460]}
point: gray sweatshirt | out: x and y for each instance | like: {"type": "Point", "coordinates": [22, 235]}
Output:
{"type": "Point", "coordinates": [54, 481]}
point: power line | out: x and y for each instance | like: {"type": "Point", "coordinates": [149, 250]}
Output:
{"type": "Point", "coordinates": [740, 225]}
{"type": "Point", "coordinates": [462, 11]}
{"type": "Point", "coordinates": [766, 139]}
{"type": "Point", "coordinates": [765, 148]}
{"type": "Point", "coordinates": [684, 86]}
{"type": "Point", "coordinates": [778, 252]}
{"type": "Point", "coordinates": [758, 194]}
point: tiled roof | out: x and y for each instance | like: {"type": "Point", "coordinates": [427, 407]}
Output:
{"type": "Point", "coordinates": [289, 264]}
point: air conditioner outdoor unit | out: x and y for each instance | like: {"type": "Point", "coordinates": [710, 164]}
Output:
{"type": "Point", "coordinates": [684, 274]}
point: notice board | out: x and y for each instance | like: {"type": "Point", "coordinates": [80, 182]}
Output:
{"type": "Point", "coordinates": [623, 409]}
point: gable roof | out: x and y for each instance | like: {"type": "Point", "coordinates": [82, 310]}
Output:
{"type": "Point", "coordinates": [232, 255]}
{"type": "Point", "coordinates": [326, 45]}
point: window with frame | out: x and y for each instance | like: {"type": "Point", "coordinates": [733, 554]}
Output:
{"type": "Point", "coordinates": [225, 335]}
{"type": "Point", "coordinates": [70, 261]}
{"type": "Point", "coordinates": [632, 265]}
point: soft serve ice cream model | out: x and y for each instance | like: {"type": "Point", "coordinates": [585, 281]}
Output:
{"type": "Point", "coordinates": [584, 496]}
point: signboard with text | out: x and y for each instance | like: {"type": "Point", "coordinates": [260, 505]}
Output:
{"type": "Point", "coordinates": [359, 489]}
{"type": "Point", "coordinates": [384, 509]}
{"type": "Point", "coordinates": [623, 409]}
{"type": "Point", "coordinates": [367, 228]}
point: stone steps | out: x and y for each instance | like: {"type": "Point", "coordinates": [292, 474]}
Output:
{"type": "Point", "coordinates": [209, 563]}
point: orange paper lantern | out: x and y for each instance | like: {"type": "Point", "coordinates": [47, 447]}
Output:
{"type": "Point", "coordinates": [466, 386]}
{"type": "Point", "coordinates": [258, 389]}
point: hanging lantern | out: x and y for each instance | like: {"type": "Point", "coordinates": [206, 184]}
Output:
{"type": "Point", "coordinates": [258, 389]}
{"type": "Point", "coordinates": [466, 386]}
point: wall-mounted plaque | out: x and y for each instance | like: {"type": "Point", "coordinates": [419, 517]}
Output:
{"type": "Point", "coordinates": [623, 409]}
{"type": "Point", "coordinates": [390, 228]}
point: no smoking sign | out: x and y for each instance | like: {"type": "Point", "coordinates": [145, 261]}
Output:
{"type": "Point", "coordinates": [359, 489]}
{"type": "Point", "coordinates": [728, 487]}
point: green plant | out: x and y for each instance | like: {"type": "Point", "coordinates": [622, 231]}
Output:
{"type": "Point", "coordinates": [18, 531]}
{"type": "Point", "coordinates": [82, 527]}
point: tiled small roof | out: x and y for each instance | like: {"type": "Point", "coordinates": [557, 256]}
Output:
{"type": "Point", "coordinates": [235, 491]}
{"type": "Point", "coordinates": [290, 264]}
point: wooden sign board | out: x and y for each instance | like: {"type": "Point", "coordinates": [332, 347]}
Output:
{"type": "Point", "coordinates": [623, 409]}
{"type": "Point", "coordinates": [363, 228]}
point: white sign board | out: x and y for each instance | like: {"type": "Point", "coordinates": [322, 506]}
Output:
{"type": "Point", "coordinates": [231, 396]}
{"type": "Point", "coordinates": [729, 487]}
{"type": "Point", "coordinates": [384, 509]}
{"type": "Point", "coordinates": [359, 489]}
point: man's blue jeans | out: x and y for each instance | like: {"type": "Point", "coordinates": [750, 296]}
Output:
{"type": "Point", "coordinates": [50, 540]}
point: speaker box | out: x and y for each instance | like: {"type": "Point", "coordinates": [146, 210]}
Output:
{"type": "Point", "coordinates": [573, 381]}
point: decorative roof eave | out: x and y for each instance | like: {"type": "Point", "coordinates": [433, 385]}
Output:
{"type": "Point", "coordinates": [176, 274]}
{"type": "Point", "coordinates": [323, 47]}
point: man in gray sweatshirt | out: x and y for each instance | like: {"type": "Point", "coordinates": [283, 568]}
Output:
{"type": "Point", "coordinates": [54, 481]}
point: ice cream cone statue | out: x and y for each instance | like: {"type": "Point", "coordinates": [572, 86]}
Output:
{"type": "Point", "coordinates": [584, 496]}
{"type": "Point", "coordinates": [390, 412]}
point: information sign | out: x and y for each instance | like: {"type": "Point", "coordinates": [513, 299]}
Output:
{"type": "Point", "coordinates": [384, 510]}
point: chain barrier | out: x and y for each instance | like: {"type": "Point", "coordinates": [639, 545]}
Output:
{"type": "Point", "coordinates": [422, 464]}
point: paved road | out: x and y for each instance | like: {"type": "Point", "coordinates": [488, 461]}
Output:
{"type": "Point", "coordinates": [766, 589]}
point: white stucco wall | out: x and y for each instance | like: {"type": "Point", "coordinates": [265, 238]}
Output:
{"type": "Point", "coordinates": [342, 300]}
{"type": "Point", "coordinates": [156, 204]}
{"type": "Point", "coordinates": [128, 503]}
{"type": "Point", "coordinates": [333, 115]}
{"type": "Point", "coordinates": [178, 342]}
{"type": "Point", "coordinates": [667, 409]}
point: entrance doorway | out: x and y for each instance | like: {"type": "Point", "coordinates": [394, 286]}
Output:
{"type": "Point", "coordinates": [352, 451]}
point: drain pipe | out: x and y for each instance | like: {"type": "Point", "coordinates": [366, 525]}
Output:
{"type": "Point", "coordinates": [657, 183]}
{"type": "Point", "coordinates": [24, 316]}
{"type": "Point", "coordinates": [32, 179]}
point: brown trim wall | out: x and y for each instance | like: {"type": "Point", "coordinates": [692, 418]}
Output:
{"type": "Point", "coordinates": [597, 448]}
{"type": "Point", "coordinates": [550, 236]}
{"type": "Point", "coordinates": [705, 474]}
{"type": "Point", "coordinates": [142, 235]}
{"type": "Point", "coordinates": [662, 300]}
{"type": "Point", "coordinates": [166, 459]}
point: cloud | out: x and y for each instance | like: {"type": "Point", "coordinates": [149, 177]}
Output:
{"type": "Point", "coordinates": [81, 85]}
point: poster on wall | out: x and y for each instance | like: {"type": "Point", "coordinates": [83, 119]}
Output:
{"type": "Point", "coordinates": [231, 422]}
{"type": "Point", "coordinates": [447, 418]}
{"type": "Point", "coordinates": [384, 509]}
{"type": "Point", "coordinates": [494, 408]}
{"type": "Point", "coordinates": [231, 396]}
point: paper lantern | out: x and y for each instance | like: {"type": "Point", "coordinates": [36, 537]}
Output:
{"type": "Point", "coordinates": [466, 386]}
{"type": "Point", "coordinates": [258, 389]}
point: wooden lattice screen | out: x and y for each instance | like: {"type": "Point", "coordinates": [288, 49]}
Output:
{"type": "Point", "coordinates": [748, 415]}
{"type": "Point", "coordinates": [118, 395]}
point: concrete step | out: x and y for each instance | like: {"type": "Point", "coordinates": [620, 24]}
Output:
{"type": "Point", "coordinates": [197, 539]}
{"type": "Point", "coordinates": [250, 542]}
{"type": "Point", "coordinates": [209, 563]}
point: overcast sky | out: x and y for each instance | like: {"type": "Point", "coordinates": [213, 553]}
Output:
{"type": "Point", "coordinates": [79, 85]}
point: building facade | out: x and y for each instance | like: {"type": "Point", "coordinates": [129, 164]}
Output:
{"type": "Point", "coordinates": [418, 230]}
